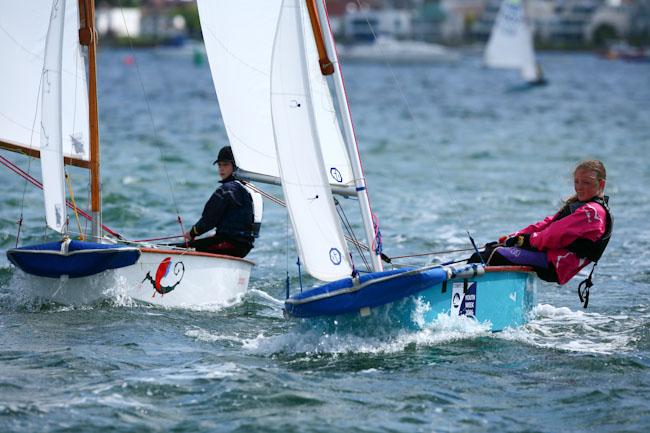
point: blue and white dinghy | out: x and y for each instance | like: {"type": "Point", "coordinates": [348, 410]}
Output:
{"type": "Point", "coordinates": [49, 110]}
{"type": "Point", "coordinates": [276, 60]}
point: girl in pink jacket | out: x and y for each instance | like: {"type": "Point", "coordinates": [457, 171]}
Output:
{"type": "Point", "coordinates": [560, 245]}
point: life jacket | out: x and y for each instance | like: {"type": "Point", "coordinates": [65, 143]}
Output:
{"type": "Point", "coordinates": [585, 248]}
{"type": "Point", "coordinates": [258, 209]}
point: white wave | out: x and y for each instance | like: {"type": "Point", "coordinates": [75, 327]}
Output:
{"type": "Point", "coordinates": [189, 374]}
{"type": "Point", "coordinates": [34, 292]}
{"type": "Point", "coordinates": [204, 335]}
{"type": "Point", "coordinates": [370, 340]}
{"type": "Point", "coordinates": [265, 296]}
{"type": "Point", "coordinates": [576, 331]}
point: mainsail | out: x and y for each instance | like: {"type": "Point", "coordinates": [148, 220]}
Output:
{"type": "Point", "coordinates": [43, 91]}
{"type": "Point", "coordinates": [511, 42]}
{"type": "Point", "coordinates": [23, 36]}
{"type": "Point", "coordinates": [239, 37]}
{"type": "Point", "coordinates": [280, 118]}
{"type": "Point", "coordinates": [318, 233]}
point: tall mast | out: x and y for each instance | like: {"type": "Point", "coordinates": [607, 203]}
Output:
{"type": "Point", "coordinates": [88, 37]}
{"type": "Point", "coordinates": [348, 128]}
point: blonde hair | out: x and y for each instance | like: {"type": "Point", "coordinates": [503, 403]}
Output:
{"type": "Point", "coordinates": [590, 165]}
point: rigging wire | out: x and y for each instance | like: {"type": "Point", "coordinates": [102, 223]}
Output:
{"type": "Point", "coordinates": [30, 179]}
{"type": "Point", "coordinates": [151, 118]}
{"type": "Point", "coordinates": [288, 281]}
{"type": "Point", "coordinates": [29, 157]}
{"type": "Point", "coordinates": [74, 205]}
{"type": "Point", "coordinates": [354, 241]}
{"type": "Point", "coordinates": [351, 239]}
{"type": "Point", "coordinates": [418, 127]}
{"type": "Point", "coordinates": [348, 228]}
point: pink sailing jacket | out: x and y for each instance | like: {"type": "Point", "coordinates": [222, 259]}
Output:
{"type": "Point", "coordinates": [587, 222]}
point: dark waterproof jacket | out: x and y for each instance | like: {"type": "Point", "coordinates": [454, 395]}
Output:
{"type": "Point", "coordinates": [230, 211]}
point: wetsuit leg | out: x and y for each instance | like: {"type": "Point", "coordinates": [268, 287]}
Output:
{"type": "Point", "coordinates": [509, 256]}
{"type": "Point", "coordinates": [220, 245]}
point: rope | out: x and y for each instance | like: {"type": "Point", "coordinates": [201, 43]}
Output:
{"type": "Point", "coordinates": [29, 159]}
{"type": "Point", "coordinates": [157, 239]}
{"type": "Point", "coordinates": [29, 178]}
{"type": "Point", "coordinates": [378, 246]}
{"type": "Point", "coordinates": [356, 243]}
{"type": "Point", "coordinates": [430, 253]}
{"type": "Point", "coordinates": [151, 119]}
{"type": "Point", "coordinates": [279, 202]}
{"type": "Point", "coordinates": [351, 235]}
{"type": "Point", "coordinates": [74, 205]}
{"type": "Point", "coordinates": [288, 281]}
{"type": "Point", "coordinates": [419, 129]}
{"type": "Point", "coordinates": [584, 286]}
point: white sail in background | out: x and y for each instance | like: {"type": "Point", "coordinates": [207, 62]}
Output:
{"type": "Point", "coordinates": [23, 35]}
{"type": "Point", "coordinates": [317, 230]}
{"type": "Point", "coordinates": [511, 42]}
{"type": "Point", "coordinates": [51, 142]}
{"type": "Point", "coordinates": [238, 36]}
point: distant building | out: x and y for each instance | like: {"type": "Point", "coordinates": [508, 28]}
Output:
{"type": "Point", "coordinates": [572, 19]}
{"type": "Point", "coordinates": [640, 20]}
{"type": "Point", "coordinates": [554, 21]}
{"type": "Point", "coordinates": [155, 22]}
{"type": "Point", "coordinates": [365, 24]}
{"type": "Point", "coordinates": [608, 23]}
{"type": "Point", "coordinates": [118, 22]}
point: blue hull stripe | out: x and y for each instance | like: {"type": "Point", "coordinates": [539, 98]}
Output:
{"type": "Point", "coordinates": [81, 260]}
{"type": "Point", "coordinates": [340, 297]}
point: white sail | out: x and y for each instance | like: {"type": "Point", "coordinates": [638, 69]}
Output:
{"type": "Point", "coordinates": [337, 165]}
{"type": "Point", "coordinates": [51, 143]}
{"type": "Point", "coordinates": [318, 233]}
{"type": "Point", "coordinates": [23, 35]}
{"type": "Point", "coordinates": [511, 42]}
{"type": "Point", "coordinates": [350, 139]}
{"type": "Point", "coordinates": [238, 36]}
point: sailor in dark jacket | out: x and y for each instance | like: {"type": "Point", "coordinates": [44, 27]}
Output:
{"type": "Point", "coordinates": [229, 210]}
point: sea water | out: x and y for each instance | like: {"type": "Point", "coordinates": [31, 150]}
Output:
{"type": "Point", "coordinates": [446, 149]}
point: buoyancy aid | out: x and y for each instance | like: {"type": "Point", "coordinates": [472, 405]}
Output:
{"type": "Point", "coordinates": [585, 248]}
{"type": "Point", "coordinates": [258, 208]}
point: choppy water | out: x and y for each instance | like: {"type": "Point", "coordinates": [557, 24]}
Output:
{"type": "Point", "coordinates": [481, 154]}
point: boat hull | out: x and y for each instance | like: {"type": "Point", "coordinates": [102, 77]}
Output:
{"type": "Point", "coordinates": [173, 278]}
{"type": "Point", "coordinates": [71, 259]}
{"type": "Point", "coordinates": [502, 297]}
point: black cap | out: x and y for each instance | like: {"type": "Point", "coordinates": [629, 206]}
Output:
{"type": "Point", "coordinates": [225, 155]}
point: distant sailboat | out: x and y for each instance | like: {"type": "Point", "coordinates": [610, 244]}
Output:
{"type": "Point", "coordinates": [511, 43]}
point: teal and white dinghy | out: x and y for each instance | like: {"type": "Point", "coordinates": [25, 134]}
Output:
{"type": "Point", "coordinates": [275, 61]}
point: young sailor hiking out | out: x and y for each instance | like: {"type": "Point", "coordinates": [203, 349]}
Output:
{"type": "Point", "coordinates": [230, 210]}
{"type": "Point", "coordinates": [559, 246]}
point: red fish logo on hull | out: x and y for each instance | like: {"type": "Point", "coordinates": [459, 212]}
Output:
{"type": "Point", "coordinates": [162, 272]}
